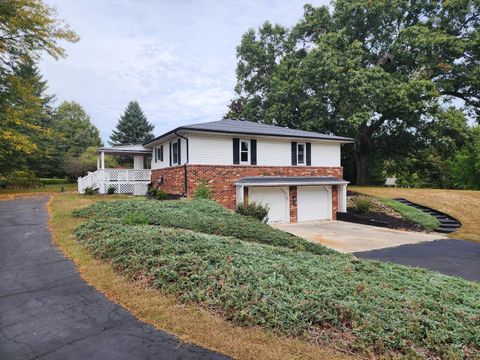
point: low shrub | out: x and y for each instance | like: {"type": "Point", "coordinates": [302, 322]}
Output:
{"type": "Point", "coordinates": [202, 216]}
{"type": "Point", "coordinates": [256, 210]}
{"type": "Point", "coordinates": [111, 190]}
{"type": "Point", "coordinates": [362, 203]}
{"type": "Point", "coordinates": [89, 190]}
{"type": "Point", "coordinates": [203, 191]}
{"type": "Point", "coordinates": [375, 307]}
{"type": "Point", "coordinates": [158, 194]}
{"type": "Point", "coordinates": [135, 219]}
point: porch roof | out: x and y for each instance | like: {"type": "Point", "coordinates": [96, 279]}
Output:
{"type": "Point", "coordinates": [126, 150]}
{"type": "Point", "coordinates": [289, 180]}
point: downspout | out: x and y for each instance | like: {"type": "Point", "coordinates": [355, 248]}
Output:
{"type": "Point", "coordinates": [185, 185]}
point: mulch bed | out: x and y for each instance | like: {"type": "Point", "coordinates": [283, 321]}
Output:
{"type": "Point", "coordinates": [379, 219]}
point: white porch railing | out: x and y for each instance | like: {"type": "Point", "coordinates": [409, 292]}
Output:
{"type": "Point", "coordinates": [125, 181]}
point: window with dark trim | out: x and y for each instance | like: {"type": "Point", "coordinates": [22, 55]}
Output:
{"type": "Point", "coordinates": [244, 151]}
{"type": "Point", "coordinates": [175, 153]}
{"type": "Point", "coordinates": [160, 153]}
{"type": "Point", "coordinates": [301, 153]}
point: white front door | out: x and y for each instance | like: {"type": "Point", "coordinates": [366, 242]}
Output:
{"type": "Point", "coordinates": [314, 203]}
{"type": "Point", "coordinates": [277, 200]}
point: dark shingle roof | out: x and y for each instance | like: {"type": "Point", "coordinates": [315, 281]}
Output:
{"type": "Point", "coordinates": [254, 128]}
{"type": "Point", "coordinates": [289, 180]}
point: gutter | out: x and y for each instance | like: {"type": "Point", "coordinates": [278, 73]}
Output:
{"type": "Point", "coordinates": [185, 175]}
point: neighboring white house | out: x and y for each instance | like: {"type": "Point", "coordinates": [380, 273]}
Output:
{"type": "Point", "coordinates": [297, 173]}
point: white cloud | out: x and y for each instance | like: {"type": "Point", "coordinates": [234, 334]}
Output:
{"type": "Point", "coordinates": [177, 58]}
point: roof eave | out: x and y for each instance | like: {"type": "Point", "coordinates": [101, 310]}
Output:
{"type": "Point", "coordinates": [342, 140]}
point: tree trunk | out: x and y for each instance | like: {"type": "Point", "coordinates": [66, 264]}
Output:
{"type": "Point", "coordinates": [361, 161]}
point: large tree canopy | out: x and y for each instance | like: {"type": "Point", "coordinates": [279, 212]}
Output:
{"type": "Point", "coordinates": [133, 127]}
{"type": "Point", "coordinates": [378, 71]}
{"type": "Point", "coordinates": [75, 131]}
{"type": "Point", "coordinates": [28, 27]}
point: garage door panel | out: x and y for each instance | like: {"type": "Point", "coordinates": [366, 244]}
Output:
{"type": "Point", "coordinates": [277, 200]}
{"type": "Point", "coordinates": [314, 203]}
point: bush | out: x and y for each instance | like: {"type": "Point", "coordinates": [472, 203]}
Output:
{"type": "Point", "coordinates": [111, 190]}
{"type": "Point", "coordinates": [374, 307]}
{"type": "Point", "coordinates": [89, 190]}
{"type": "Point", "coordinates": [256, 210]}
{"type": "Point", "coordinates": [363, 204]}
{"type": "Point", "coordinates": [158, 194]}
{"type": "Point", "coordinates": [202, 216]}
{"type": "Point", "coordinates": [203, 191]}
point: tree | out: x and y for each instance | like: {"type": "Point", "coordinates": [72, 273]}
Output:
{"type": "Point", "coordinates": [25, 114]}
{"type": "Point", "coordinates": [76, 166]}
{"type": "Point", "coordinates": [466, 163]}
{"type": "Point", "coordinates": [75, 131]}
{"type": "Point", "coordinates": [378, 71]}
{"type": "Point", "coordinates": [28, 27]}
{"type": "Point", "coordinates": [132, 128]}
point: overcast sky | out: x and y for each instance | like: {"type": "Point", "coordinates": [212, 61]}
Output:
{"type": "Point", "coordinates": [175, 57]}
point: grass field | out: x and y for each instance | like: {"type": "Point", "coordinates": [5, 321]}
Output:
{"type": "Point", "coordinates": [464, 205]}
{"type": "Point", "coordinates": [50, 189]}
{"type": "Point", "coordinates": [164, 311]}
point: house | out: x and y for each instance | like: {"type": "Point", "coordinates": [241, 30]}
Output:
{"type": "Point", "coordinates": [297, 173]}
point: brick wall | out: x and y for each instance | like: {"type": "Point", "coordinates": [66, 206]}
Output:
{"type": "Point", "coordinates": [173, 179]}
{"type": "Point", "coordinates": [221, 179]}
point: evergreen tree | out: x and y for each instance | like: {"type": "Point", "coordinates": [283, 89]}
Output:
{"type": "Point", "coordinates": [25, 122]}
{"type": "Point", "coordinates": [132, 128]}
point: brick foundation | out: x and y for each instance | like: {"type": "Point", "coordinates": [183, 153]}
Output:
{"type": "Point", "coordinates": [221, 179]}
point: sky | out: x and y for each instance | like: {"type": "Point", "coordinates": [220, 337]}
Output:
{"type": "Point", "coordinates": [175, 57]}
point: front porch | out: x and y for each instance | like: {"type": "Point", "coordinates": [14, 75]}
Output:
{"type": "Point", "coordinates": [125, 181]}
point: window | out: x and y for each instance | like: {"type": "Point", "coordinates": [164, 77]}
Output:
{"type": "Point", "coordinates": [160, 153]}
{"type": "Point", "coordinates": [175, 153]}
{"type": "Point", "coordinates": [244, 151]}
{"type": "Point", "coordinates": [300, 153]}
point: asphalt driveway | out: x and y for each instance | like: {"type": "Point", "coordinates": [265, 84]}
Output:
{"type": "Point", "coordinates": [48, 312]}
{"type": "Point", "coordinates": [451, 257]}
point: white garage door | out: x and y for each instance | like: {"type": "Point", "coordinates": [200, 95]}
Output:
{"type": "Point", "coordinates": [277, 200]}
{"type": "Point", "coordinates": [314, 203]}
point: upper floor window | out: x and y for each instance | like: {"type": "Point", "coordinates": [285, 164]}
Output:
{"type": "Point", "coordinates": [159, 156]}
{"type": "Point", "coordinates": [244, 151]}
{"type": "Point", "coordinates": [301, 153]}
{"type": "Point", "coordinates": [175, 153]}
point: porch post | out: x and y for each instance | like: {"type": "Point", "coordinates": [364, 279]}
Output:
{"type": "Point", "coordinates": [342, 198]}
{"type": "Point", "coordinates": [98, 162]}
{"type": "Point", "coordinates": [102, 156]}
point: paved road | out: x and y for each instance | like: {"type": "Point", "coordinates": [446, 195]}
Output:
{"type": "Point", "coordinates": [48, 312]}
{"type": "Point", "coordinates": [452, 257]}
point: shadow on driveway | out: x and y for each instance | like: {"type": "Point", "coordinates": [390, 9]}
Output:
{"type": "Point", "coordinates": [451, 257]}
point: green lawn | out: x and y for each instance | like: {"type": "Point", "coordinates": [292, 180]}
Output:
{"type": "Point", "coordinates": [50, 188]}
{"type": "Point", "coordinates": [364, 306]}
